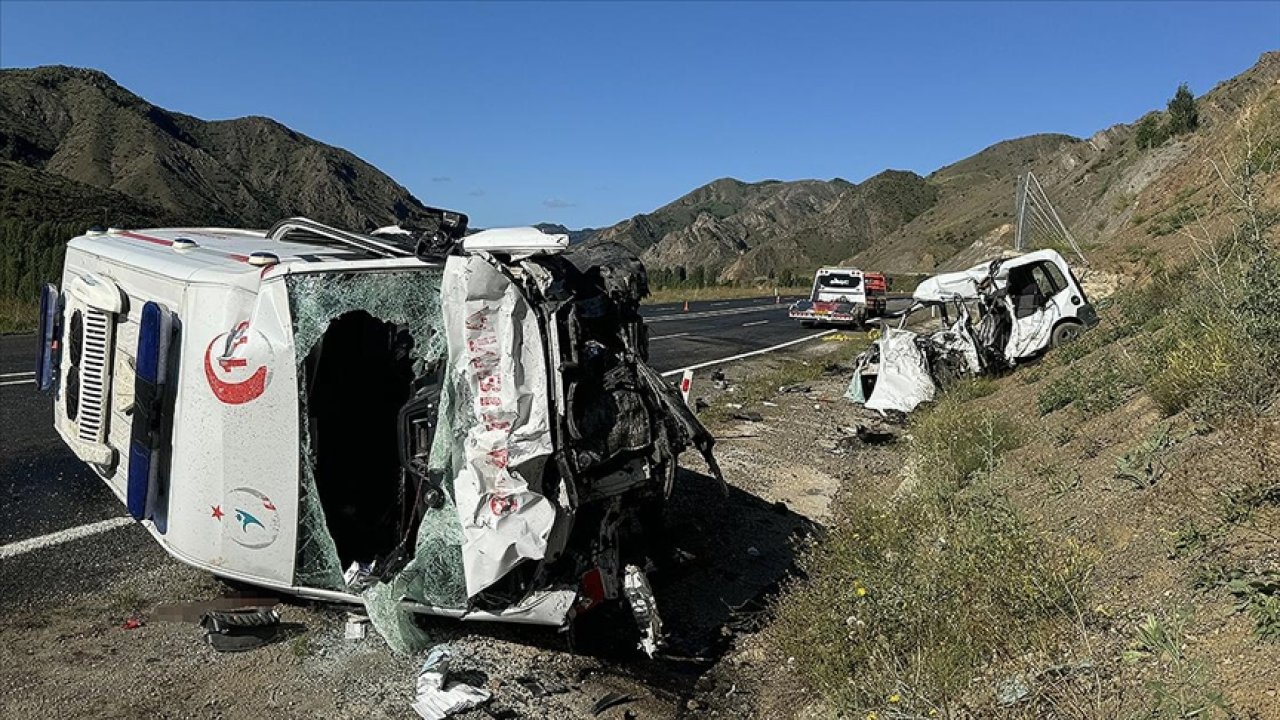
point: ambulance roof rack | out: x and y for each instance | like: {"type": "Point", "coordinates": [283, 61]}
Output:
{"type": "Point", "coordinates": [434, 228]}
{"type": "Point", "coordinates": [305, 230]}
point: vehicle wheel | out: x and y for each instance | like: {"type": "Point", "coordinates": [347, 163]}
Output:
{"type": "Point", "coordinates": [1065, 333]}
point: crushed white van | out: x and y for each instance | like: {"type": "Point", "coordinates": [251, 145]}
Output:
{"type": "Point", "coordinates": [462, 425]}
{"type": "Point", "coordinates": [1025, 305]}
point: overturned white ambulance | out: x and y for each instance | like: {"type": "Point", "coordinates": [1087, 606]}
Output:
{"type": "Point", "coordinates": [461, 425]}
{"type": "Point", "coordinates": [1024, 304]}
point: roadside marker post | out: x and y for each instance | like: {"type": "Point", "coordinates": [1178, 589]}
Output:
{"type": "Point", "coordinates": [686, 384]}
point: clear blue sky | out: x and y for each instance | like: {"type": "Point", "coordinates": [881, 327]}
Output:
{"type": "Point", "coordinates": [586, 113]}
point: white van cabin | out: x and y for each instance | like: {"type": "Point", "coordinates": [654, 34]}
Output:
{"type": "Point", "coordinates": [466, 426]}
{"type": "Point", "coordinates": [1024, 305]}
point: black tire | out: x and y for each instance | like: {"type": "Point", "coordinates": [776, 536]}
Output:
{"type": "Point", "coordinates": [1065, 333]}
{"type": "Point", "coordinates": [806, 323]}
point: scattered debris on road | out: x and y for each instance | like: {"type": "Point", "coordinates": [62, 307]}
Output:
{"type": "Point", "coordinates": [242, 629]}
{"type": "Point", "coordinates": [436, 697]}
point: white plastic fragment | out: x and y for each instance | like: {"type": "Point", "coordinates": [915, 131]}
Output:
{"type": "Point", "coordinates": [436, 698]}
{"type": "Point", "coordinates": [644, 606]}
{"type": "Point", "coordinates": [357, 626]}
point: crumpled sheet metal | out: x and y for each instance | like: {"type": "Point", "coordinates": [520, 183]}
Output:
{"type": "Point", "coordinates": [961, 285]}
{"type": "Point", "coordinates": [904, 381]}
{"type": "Point", "coordinates": [1030, 335]}
{"type": "Point", "coordinates": [960, 339]}
{"type": "Point", "coordinates": [495, 357]}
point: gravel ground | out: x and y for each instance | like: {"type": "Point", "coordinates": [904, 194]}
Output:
{"type": "Point", "coordinates": [68, 652]}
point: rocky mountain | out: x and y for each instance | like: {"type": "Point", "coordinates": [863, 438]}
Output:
{"type": "Point", "coordinates": [1119, 201]}
{"type": "Point", "coordinates": [575, 236]}
{"type": "Point", "coordinates": [77, 149]}
{"type": "Point", "coordinates": [76, 131]}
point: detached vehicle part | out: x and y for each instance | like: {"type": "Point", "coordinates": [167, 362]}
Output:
{"type": "Point", "coordinates": [1024, 305]}
{"type": "Point", "coordinates": [465, 422]}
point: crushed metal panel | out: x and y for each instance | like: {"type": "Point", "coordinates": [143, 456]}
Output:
{"type": "Point", "coordinates": [1031, 334]}
{"type": "Point", "coordinates": [496, 361]}
{"type": "Point", "coordinates": [903, 381]}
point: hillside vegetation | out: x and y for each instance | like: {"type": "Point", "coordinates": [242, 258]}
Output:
{"type": "Point", "coordinates": [1092, 536]}
{"type": "Point", "coordinates": [76, 150]}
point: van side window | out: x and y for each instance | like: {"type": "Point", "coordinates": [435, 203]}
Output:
{"type": "Point", "coordinates": [1055, 274]}
{"type": "Point", "coordinates": [1044, 281]}
{"type": "Point", "coordinates": [1024, 291]}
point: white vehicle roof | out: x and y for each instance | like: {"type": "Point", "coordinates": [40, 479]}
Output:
{"type": "Point", "coordinates": [220, 251]}
{"type": "Point", "coordinates": [963, 284]}
{"type": "Point", "coordinates": [224, 254]}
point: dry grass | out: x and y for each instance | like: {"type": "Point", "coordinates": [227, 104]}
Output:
{"type": "Point", "coordinates": [17, 316]}
{"type": "Point", "coordinates": [905, 601]}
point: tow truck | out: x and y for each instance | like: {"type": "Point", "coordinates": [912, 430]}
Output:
{"type": "Point", "coordinates": [842, 296]}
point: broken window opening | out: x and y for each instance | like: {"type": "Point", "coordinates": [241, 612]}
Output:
{"type": "Point", "coordinates": [366, 343]}
{"type": "Point", "coordinates": [359, 375]}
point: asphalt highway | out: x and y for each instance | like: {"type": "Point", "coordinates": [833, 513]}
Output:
{"type": "Point", "coordinates": [46, 490]}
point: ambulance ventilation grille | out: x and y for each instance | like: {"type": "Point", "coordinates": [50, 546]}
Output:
{"type": "Point", "coordinates": [93, 375]}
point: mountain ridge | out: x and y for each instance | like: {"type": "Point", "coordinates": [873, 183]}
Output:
{"type": "Point", "coordinates": [1105, 187]}
{"type": "Point", "coordinates": [80, 125]}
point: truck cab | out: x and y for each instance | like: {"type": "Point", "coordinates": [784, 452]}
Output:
{"type": "Point", "coordinates": [461, 425]}
{"type": "Point", "coordinates": [842, 296]}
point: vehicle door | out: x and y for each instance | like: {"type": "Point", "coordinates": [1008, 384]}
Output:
{"type": "Point", "coordinates": [1038, 299]}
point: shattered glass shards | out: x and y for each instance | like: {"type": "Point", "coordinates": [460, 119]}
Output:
{"type": "Point", "coordinates": [434, 576]}
{"type": "Point", "coordinates": [410, 299]}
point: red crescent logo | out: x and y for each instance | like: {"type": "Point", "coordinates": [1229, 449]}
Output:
{"type": "Point", "coordinates": [233, 393]}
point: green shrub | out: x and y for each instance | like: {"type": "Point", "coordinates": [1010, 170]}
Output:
{"type": "Point", "coordinates": [1147, 462]}
{"type": "Point", "coordinates": [1150, 132]}
{"type": "Point", "coordinates": [954, 442]}
{"type": "Point", "coordinates": [903, 602]}
{"type": "Point", "coordinates": [1093, 389]}
{"type": "Point", "coordinates": [1183, 116]}
{"type": "Point", "coordinates": [1220, 353]}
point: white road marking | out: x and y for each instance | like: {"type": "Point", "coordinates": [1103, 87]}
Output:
{"type": "Point", "coordinates": [753, 353]}
{"type": "Point", "coordinates": [62, 536]}
{"type": "Point", "coordinates": [10, 376]}
{"type": "Point", "coordinates": [757, 322]}
{"type": "Point", "coordinates": [664, 337]}
{"type": "Point", "coordinates": [713, 313]}
{"type": "Point", "coordinates": [29, 381]}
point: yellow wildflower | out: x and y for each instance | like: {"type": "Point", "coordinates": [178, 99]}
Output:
{"type": "Point", "coordinates": [860, 591]}
{"type": "Point", "coordinates": [895, 698]}
{"type": "Point", "coordinates": [872, 715]}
